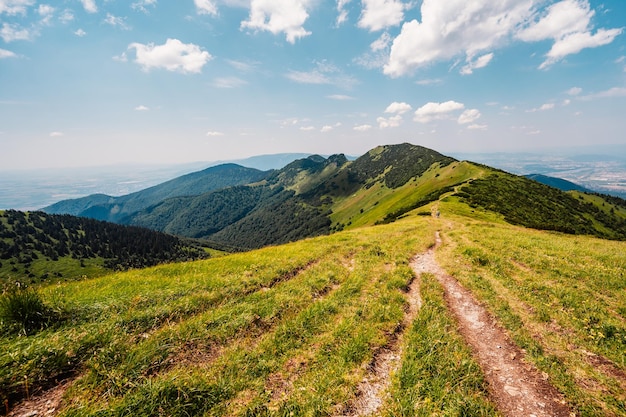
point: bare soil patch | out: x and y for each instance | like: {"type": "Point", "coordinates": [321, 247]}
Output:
{"type": "Point", "coordinates": [47, 403]}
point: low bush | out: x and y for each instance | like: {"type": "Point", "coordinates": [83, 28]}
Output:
{"type": "Point", "coordinates": [22, 310]}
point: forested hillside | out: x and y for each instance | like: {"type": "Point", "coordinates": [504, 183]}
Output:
{"type": "Point", "coordinates": [103, 207]}
{"type": "Point", "coordinates": [38, 247]}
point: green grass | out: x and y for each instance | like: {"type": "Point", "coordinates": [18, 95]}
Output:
{"type": "Point", "coordinates": [291, 329]}
{"type": "Point", "coordinates": [562, 298]}
{"type": "Point", "coordinates": [438, 376]}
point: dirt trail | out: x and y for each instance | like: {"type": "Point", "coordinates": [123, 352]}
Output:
{"type": "Point", "coordinates": [515, 386]}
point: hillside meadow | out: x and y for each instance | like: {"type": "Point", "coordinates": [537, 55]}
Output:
{"type": "Point", "coordinates": [294, 329]}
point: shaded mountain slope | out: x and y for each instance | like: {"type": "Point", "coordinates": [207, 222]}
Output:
{"type": "Point", "coordinates": [561, 184]}
{"type": "Point", "coordinates": [113, 209]}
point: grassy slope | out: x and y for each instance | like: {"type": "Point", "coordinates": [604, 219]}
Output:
{"type": "Point", "coordinates": [290, 329]}
{"type": "Point", "coordinates": [562, 298]}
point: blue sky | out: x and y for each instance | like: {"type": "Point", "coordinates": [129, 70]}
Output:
{"type": "Point", "coordinates": [100, 82]}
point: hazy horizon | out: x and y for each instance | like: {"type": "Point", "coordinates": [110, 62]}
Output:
{"type": "Point", "coordinates": [95, 82]}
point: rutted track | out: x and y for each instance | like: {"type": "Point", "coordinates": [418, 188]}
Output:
{"type": "Point", "coordinates": [516, 386]}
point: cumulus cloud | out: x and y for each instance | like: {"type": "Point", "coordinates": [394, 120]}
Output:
{"type": "Point", "coordinates": [12, 32]}
{"type": "Point", "coordinates": [279, 16]}
{"type": "Point", "coordinates": [454, 27]}
{"type": "Point", "coordinates": [469, 116]}
{"type": "Point", "coordinates": [89, 6]}
{"type": "Point", "coordinates": [398, 108]}
{"type": "Point", "coordinates": [142, 108]}
{"type": "Point", "coordinates": [380, 14]}
{"type": "Point", "coordinates": [205, 7]}
{"type": "Point", "coordinates": [477, 127]}
{"type": "Point", "coordinates": [56, 134]}
{"type": "Point", "coordinates": [214, 133]}
{"type": "Point", "coordinates": [568, 23]}
{"type": "Point", "coordinates": [326, 129]}
{"type": "Point", "coordinates": [362, 128]}
{"type": "Point", "coordinates": [387, 122]}
{"type": "Point", "coordinates": [474, 29]}
{"type": "Point", "coordinates": [13, 7]}
{"type": "Point", "coordinates": [80, 33]}
{"type": "Point", "coordinates": [173, 55]}
{"type": "Point", "coordinates": [437, 111]}
{"type": "Point", "coordinates": [307, 128]}
{"type": "Point", "coordinates": [6, 54]}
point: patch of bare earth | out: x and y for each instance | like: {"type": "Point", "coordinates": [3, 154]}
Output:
{"type": "Point", "coordinates": [46, 403]}
{"type": "Point", "coordinates": [515, 385]}
{"type": "Point", "coordinates": [371, 391]}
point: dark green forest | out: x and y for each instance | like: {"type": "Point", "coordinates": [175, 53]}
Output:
{"type": "Point", "coordinates": [36, 237]}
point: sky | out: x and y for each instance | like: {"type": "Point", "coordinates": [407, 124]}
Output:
{"type": "Point", "coordinates": [102, 82]}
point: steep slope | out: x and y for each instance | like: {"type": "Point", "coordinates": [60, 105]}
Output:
{"type": "Point", "coordinates": [293, 203]}
{"type": "Point", "coordinates": [39, 247]}
{"type": "Point", "coordinates": [102, 207]}
{"type": "Point", "coordinates": [559, 183]}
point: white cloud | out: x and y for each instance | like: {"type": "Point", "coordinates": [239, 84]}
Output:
{"type": "Point", "coordinates": [566, 102]}
{"type": "Point", "coordinates": [173, 55]}
{"type": "Point", "coordinates": [67, 16]}
{"type": "Point", "coordinates": [307, 128]}
{"type": "Point", "coordinates": [381, 43]}
{"type": "Point", "coordinates": [386, 122]}
{"type": "Point", "coordinates": [142, 5]}
{"type": "Point", "coordinates": [469, 116]}
{"type": "Point", "coordinates": [45, 10]}
{"type": "Point", "coordinates": [276, 16]}
{"type": "Point", "coordinates": [576, 42]}
{"type": "Point", "coordinates": [326, 129]}
{"type": "Point", "coordinates": [452, 28]}
{"type": "Point", "coordinates": [323, 73]}
{"type": "Point", "coordinates": [13, 7]}
{"type": "Point", "coordinates": [242, 66]}
{"type": "Point", "coordinates": [342, 13]}
{"type": "Point", "coordinates": [574, 91]}
{"type": "Point", "coordinates": [80, 33]}
{"type": "Point", "coordinates": [437, 111]}
{"type": "Point", "coordinates": [116, 21]}
{"type": "Point", "coordinates": [214, 133]}
{"type": "Point", "coordinates": [380, 14]}
{"type": "Point", "coordinates": [568, 23]}
{"type": "Point", "coordinates": [6, 54]}
{"type": "Point", "coordinates": [56, 134]}
{"type": "Point", "coordinates": [477, 127]}
{"type": "Point", "coordinates": [543, 107]}
{"type": "Point", "coordinates": [460, 28]}
{"type": "Point", "coordinates": [362, 128]}
{"type": "Point", "coordinates": [205, 7]}
{"type": "Point", "coordinates": [399, 108]}
{"type": "Point", "coordinates": [340, 97]}
{"type": "Point", "coordinates": [90, 6]}
{"type": "Point", "coordinates": [480, 62]}
{"type": "Point", "coordinates": [142, 108]}
{"type": "Point", "coordinates": [430, 81]}
{"type": "Point", "coordinates": [610, 93]}
{"type": "Point", "coordinates": [12, 32]}
{"type": "Point", "coordinates": [229, 82]}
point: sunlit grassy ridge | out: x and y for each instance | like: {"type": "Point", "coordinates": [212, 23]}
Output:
{"type": "Point", "coordinates": [562, 298]}
{"type": "Point", "coordinates": [293, 328]}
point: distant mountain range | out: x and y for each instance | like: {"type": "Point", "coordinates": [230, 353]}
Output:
{"type": "Point", "coordinates": [248, 208]}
